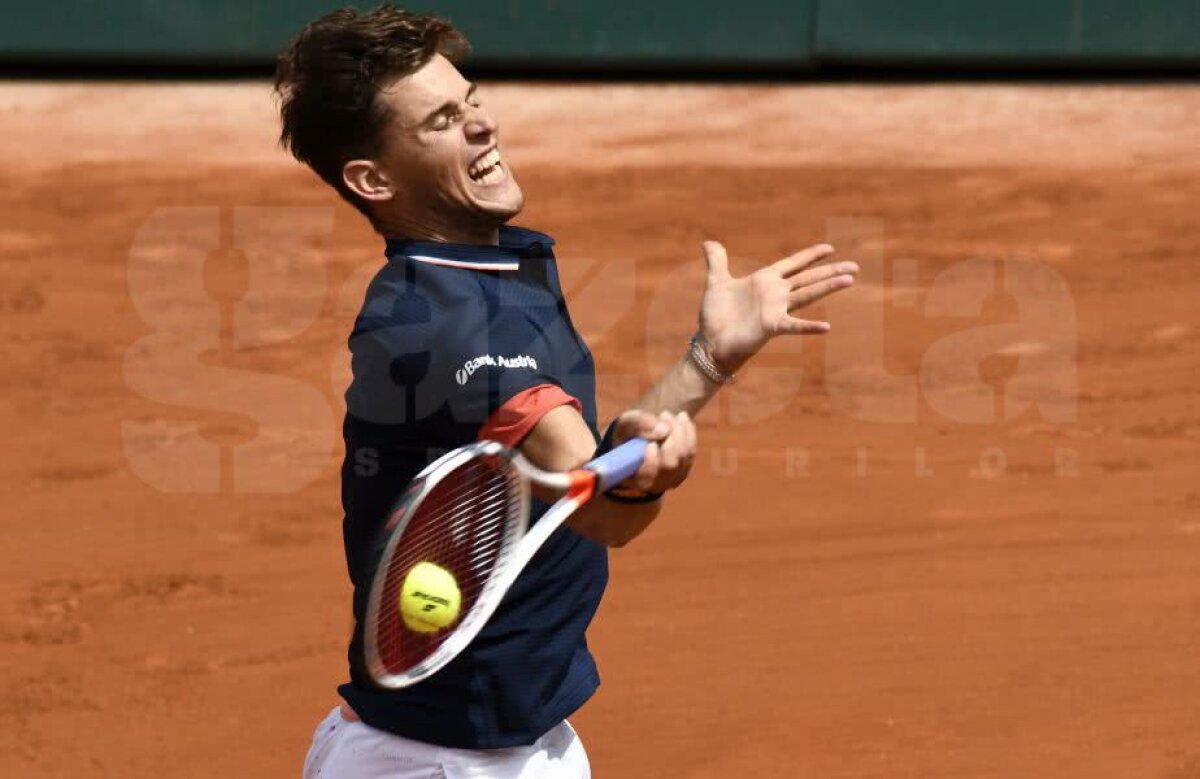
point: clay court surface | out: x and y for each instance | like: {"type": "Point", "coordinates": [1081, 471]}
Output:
{"type": "Point", "coordinates": [898, 556]}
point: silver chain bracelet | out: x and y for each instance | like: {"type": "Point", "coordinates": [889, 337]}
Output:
{"type": "Point", "coordinates": [699, 356]}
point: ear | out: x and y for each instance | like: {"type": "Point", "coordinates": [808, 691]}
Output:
{"type": "Point", "coordinates": [368, 180]}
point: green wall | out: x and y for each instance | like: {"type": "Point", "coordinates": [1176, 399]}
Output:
{"type": "Point", "coordinates": [513, 32]}
{"type": "Point", "coordinates": [648, 32]}
{"type": "Point", "coordinates": [151, 29]}
{"type": "Point", "coordinates": [1016, 32]}
{"type": "Point", "coordinates": [606, 34]}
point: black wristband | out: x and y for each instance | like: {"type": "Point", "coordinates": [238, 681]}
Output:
{"type": "Point", "coordinates": [644, 497]}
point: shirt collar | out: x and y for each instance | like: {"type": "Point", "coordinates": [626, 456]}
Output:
{"type": "Point", "coordinates": [515, 243]}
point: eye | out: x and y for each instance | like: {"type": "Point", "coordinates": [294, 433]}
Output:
{"type": "Point", "coordinates": [446, 118]}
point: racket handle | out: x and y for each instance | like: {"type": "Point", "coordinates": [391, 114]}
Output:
{"type": "Point", "coordinates": [618, 465]}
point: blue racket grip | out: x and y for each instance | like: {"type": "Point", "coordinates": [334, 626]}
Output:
{"type": "Point", "coordinates": [618, 465]}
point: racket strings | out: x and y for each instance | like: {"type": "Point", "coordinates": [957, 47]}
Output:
{"type": "Point", "coordinates": [460, 525]}
{"type": "Point", "coordinates": [438, 524]}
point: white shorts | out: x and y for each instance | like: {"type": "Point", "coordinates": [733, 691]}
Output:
{"type": "Point", "coordinates": [353, 750]}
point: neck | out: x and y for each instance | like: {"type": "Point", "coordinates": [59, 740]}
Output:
{"type": "Point", "coordinates": [404, 227]}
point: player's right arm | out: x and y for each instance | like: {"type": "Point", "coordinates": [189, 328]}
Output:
{"type": "Point", "coordinates": [561, 440]}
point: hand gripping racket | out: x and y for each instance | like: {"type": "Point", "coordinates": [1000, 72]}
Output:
{"type": "Point", "coordinates": [468, 513]}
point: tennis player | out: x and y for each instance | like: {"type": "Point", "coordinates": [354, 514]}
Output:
{"type": "Point", "coordinates": [464, 335]}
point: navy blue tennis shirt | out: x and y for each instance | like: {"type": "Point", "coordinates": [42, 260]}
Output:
{"type": "Point", "coordinates": [448, 333]}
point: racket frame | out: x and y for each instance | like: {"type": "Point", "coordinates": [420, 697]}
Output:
{"type": "Point", "coordinates": [473, 621]}
{"type": "Point", "coordinates": [518, 546]}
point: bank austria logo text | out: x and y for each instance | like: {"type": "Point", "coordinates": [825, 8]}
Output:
{"type": "Point", "coordinates": [463, 374]}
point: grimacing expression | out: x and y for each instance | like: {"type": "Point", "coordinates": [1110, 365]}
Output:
{"type": "Point", "coordinates": [441, 151]}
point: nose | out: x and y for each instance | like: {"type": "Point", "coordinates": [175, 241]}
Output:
{"type": "Point", "coordinates": [480, 124]}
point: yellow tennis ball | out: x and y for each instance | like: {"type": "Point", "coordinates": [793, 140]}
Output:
{"type": "Point", "coordinates": [430, 598]}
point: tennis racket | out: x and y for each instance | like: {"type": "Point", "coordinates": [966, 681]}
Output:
{"type": "Point", "coordinates": [468, 512]}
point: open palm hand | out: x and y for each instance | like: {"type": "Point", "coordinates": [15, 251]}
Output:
{"type": "Point", "coordinates": [739, 315]}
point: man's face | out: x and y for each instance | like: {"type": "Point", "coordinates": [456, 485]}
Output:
{"type": "Point", "coordinates": [441, 153]}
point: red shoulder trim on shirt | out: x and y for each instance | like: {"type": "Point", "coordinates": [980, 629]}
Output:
{"type": "Point", "coordinates": [510, 423]}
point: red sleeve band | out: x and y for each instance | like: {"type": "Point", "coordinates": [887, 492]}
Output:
{"type": "Point", "coordinates": [510, 423]}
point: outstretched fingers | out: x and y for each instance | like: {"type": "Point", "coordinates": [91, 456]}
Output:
{"type": "Point", "coordinates": [807, 295]}
{"type": "Point", "coordinates": [793, 326]}
{"type": "Point", "coordinates": [802, 259]}
{"type": "Point", "coordinates": [822, 273]}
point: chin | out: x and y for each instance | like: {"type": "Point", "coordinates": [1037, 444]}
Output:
{"type": "Point", "coordinates": [510, 210]}
{"type": "Point", "coordinates": [503, 208]}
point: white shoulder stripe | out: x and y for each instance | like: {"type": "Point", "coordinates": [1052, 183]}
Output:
{"type": "Point", "coordinates": [460, 264]}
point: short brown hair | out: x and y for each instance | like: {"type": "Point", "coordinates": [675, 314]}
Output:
{"type": "Point", "coordinates": [328, 79]}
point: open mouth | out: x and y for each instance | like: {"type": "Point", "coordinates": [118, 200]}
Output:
{"type": "Point", "coordinates": [488, 169]}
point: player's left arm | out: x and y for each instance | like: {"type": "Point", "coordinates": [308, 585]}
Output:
{"type": "Point", "coordinates": [739, 316]}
